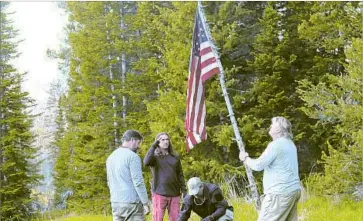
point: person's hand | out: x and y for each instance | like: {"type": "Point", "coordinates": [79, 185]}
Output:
{"type": "Point", "coordinates": [156, 143]}
{"type": "Point", "coordinates": [243, 155]}
{"type": "Point", "coordinates": [208, 218]}
{"type": "Point", "coordinates": [146, 209]}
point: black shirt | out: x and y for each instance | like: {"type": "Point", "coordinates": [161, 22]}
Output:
{"type": "Point", "coordinates": [214, 204]}
{"type": "Point", "coordinates": [167, 173]}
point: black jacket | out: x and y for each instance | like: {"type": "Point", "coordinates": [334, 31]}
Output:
{"type": "Point", "coordinates": [167, 174]}
{"type": "Point", "coordinates": [214, 205]}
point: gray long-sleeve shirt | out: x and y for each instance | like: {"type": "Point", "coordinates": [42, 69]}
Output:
{"type": "Point", "coordinates": [280, 165]}
{"type": "Point", "coordinates": [124, 177]}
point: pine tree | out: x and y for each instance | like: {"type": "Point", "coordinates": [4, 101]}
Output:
{"type": "Point", "coordinates": [328, 30]}
{"type": "Point", "coordinates": [338, 103]}
{"type": "Point", "coordinates": [17, 171]}
{"type": "Point", "coordinates": [92, 116]}
{"type": "Point", "coordinates": [280, 59]}
{"type": "Point", "coordinates": [84, 143]}
{"type": "Point", "coordinates": [334, 28]}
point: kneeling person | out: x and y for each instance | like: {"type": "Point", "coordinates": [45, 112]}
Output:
{"type": "Point", "coordinates": [206, 200]}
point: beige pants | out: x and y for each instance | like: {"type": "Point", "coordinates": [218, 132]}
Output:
{"type": "Point", "coordinates": [279, 207]}
{"type": "Point", "coordinates": [127, 212]}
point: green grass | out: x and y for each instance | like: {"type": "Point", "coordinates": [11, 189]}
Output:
{"type": "Point", "coordinates": [314, 209]}
{"type": "Point", "coordinates": [244, 211]}
{"type": "Point", "coordinates": [328, 209]}
{"type": "Point", "coordinates": [89, 218]}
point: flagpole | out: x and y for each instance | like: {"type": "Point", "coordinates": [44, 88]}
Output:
{"type": "Point", "coordinates": [251, 180]}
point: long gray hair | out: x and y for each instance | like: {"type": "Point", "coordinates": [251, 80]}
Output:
{"type": "Point", "coordinates": [170, 147]}
{"type": "Point", "coordinates": [283, 127]}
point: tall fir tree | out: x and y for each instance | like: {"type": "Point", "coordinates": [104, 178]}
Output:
{"type": "Point", "coordinates": [281, 58]}
{"type": "Point", "coordinates": [91, 117]}
{"type": "Point", "coordinates": [334, 29]}
{"type": "Point", "coordinates": [337, 102]}
{"type": "Point", "coordinates": [87, 135]}
{"type": "Point", "coordinates": [18, 173]}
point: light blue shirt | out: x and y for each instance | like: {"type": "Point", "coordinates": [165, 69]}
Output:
{"type": "Point", "coordinates": [124, 177]}
{"type": "Point", "coordinates": [280, 167]}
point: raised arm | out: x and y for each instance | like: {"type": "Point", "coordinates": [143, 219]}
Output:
{"type": "Point", "coordinates": [149, 159]}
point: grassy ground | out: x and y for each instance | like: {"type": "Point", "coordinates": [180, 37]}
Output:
{"type": "Point", "coordinates": [314, 209]}
{"type": "Point", "coordinates": [322, 209]}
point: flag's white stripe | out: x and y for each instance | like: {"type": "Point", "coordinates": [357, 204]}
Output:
{"type": "Point", "coordinates": [201, 126]}
{"type": "Point", "coordinates": [197, 137]}
{"type": "Point", "coordinates": [197, 105]}
{"type": "Point", "coordinates": [190, 144]}
{"type": "Point", "coordinates": [205, 44]}
{"type": "Point", "coordinates": [191, 101]}
{"type": "Point", "coordinates": [209, 67]}
{"type": "Point", "coordinates": [207, 56]}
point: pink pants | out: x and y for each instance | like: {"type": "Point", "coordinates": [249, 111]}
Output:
{"type": "Point", "coordinates": [161, 203]}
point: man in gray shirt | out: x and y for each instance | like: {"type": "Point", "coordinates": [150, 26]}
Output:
{"type": "Point", "coordinates": [129, 200]}
{"type": "Point", "coordinates": [281, 183]}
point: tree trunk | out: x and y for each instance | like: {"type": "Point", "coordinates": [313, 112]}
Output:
{"type": "Point", "coordinates": [1, 113]}
{"type": "Point", "coordinates": [114, 100]}
{"type": "Point", "coordinates": [123, 64]}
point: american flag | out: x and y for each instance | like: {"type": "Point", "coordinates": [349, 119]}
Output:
{"type": "Point", "coordinates": [202, 66]}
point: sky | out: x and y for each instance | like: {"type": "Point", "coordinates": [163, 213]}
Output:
{"type": "Point", "coordinates": [40, 25]}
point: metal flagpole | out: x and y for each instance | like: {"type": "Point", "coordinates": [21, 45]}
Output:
{"type": "Point", "coordinates": [241, 147]}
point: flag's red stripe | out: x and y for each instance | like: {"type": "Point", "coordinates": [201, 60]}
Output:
{"type": "Point", "coordinates": [195, 96]}
{"type": "Point", "coordinates": [190, 86]}
{"type": "Point", "coordinates": [196, 107]}
{"type": "Point", "coordinates": [203, 121]}
{"type": "Point", "coordinates": [207, 62]}
{"type": "Point", "coordinates": [200, 110]}
{"type": "Point", "coordinates": [205, 50]}
{"type": "Point", "coordinates": [210, 73]}
{"type": "Point", "coordinates": [192, 138]}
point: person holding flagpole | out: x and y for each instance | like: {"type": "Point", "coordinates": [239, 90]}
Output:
{"type": "Point", "coordinates": [204, 63]}
{"type": "Point", "coordinates": [281, 181]}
